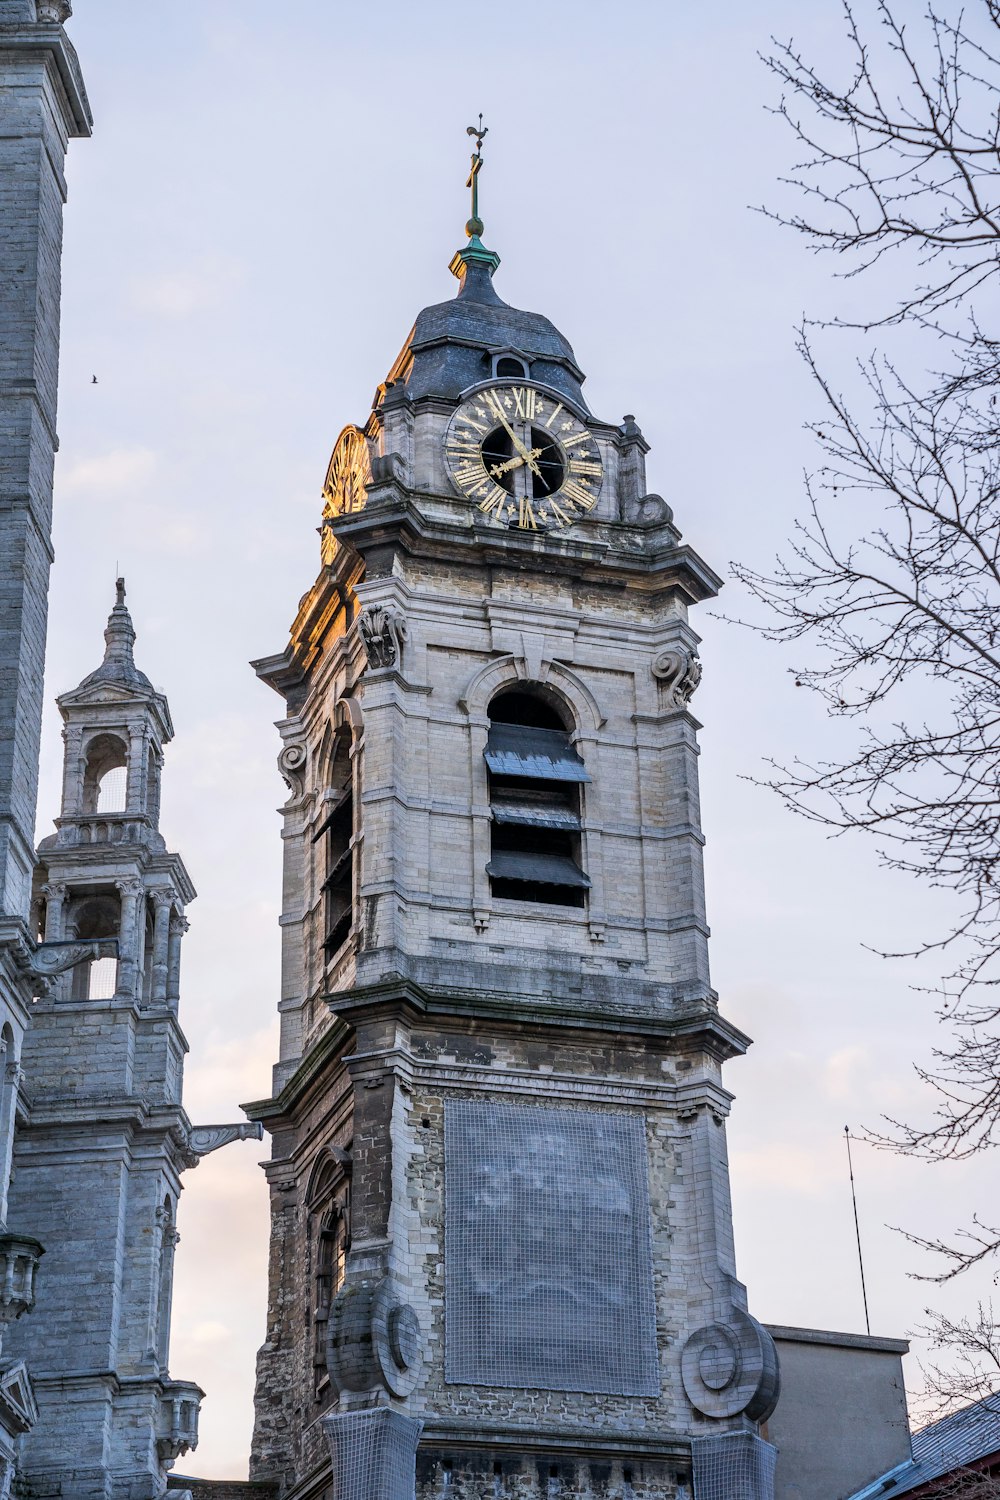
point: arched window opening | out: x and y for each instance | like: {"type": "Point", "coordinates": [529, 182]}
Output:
{"type": "Point", "coordinates": [96, 978]}
{"type": "Point", "coordinates": [106, 776]}
{"type": "Point", "coordinates": [336, 836]}
{"type": "Point", "coordinates": [330, 1233]}
{"type": "Point", "coordinates": [509, 367]}
{"type": "Point", "coordinates": [535, 776]}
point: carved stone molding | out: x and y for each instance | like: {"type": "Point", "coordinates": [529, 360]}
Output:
{"type": "Point", "coordinates": [49, 959]}
{"type": "Point", "coordinates": [373, 1340]}
{"type": "Point", "coordinates": [729, 1368]}
{"type": "Point", "coordinates": [383, 631]}
{"type": "Point", "coordinates": [292, 765]}
{"type": "Point", "coordinates": [205, 1138]}
{"type": "Point", "coordinates": [679, 669]}
{"type": "Point", "coordinates": [53, 12]}
{"type": "Point", "coordinates": [649, 510]}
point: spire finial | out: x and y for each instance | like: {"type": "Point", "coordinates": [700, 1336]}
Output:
{"type": "Point", "coordinates": [119, 638]}
{"type": "Point", "coordinates": [474, 227]}
{"type": "Point", "coordinates": [475, 253]}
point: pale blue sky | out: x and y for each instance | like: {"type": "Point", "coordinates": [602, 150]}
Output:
{"type": "Point", "coordinates": [270, 196]}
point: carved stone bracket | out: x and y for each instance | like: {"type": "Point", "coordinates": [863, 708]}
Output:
{"type": "Point", "coordinates": [53, 11]}
{"type": "Point", "coordinates": [373, 1340]}
{"type": "Point", "coordinates": [205, 1138]}
{"type": "Point", "coordinates": [383, 631]}
{"type": "Point", "coordinates": [50, 959]}
{"type": "Point", "coordinates": [649, 510]}
{"type": "Point", "coordinates": [729, 1368]}
{"type": "Point", "coordinates": [679, 669]}
{"type": "Point", "coordinates": [292, 765]}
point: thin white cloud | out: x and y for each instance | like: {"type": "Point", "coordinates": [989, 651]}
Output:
{"type": "Point", "coordinates": [114, 472]}
{"type": "Point", "coordinates": [183, 291]}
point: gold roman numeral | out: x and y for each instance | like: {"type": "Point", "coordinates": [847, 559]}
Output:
{"type": "Point", "coordinates": [575, 492]}
{"type": "Point", "coordinates": [526, 517]}
{"type": "Point", "coordinates": [524, 403]}
{"type": "Point", "coordinates": [579, 437]}
{"type": "Point", "coordinates": [471, 421]}
{"type": "Point", "coordinates": [554, 415]}
{"type": "Point", "coordinates": [494, 502]}
{"type": "Point", "coordinates": [584, 466]}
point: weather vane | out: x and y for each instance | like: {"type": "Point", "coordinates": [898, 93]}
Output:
{"type": "Point", "coordinates": [474, 228]}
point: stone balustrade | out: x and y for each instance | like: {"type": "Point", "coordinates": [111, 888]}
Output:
{"type": "Point", "coordinates": [105, 828]}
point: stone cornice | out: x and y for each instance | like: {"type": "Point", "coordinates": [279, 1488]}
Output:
{"type": "Point", "coordinates": [692, 1021]}
{"type": "Point", "coordinates": [307, 1076]}
{"type": "Point", "coordinates": [53, 40]}
{"type": "Point", "coordinates": [472, 1432]}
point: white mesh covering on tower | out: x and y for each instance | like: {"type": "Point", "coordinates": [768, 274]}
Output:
{"type": "Point", "coordinates": [548, 1261]}
{"type": "Point", "coordinates": [374, 1454]}
{"type": "Point", "coordinates": [733, 1466]}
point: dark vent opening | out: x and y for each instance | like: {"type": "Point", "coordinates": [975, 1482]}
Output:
{"type": "Point", "coordinates": [516, 707]}
{"type": "Point", "coordinates": [535, 775]}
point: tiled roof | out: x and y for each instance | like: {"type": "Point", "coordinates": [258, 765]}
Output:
{"type": "Point", "coordinates": [957, 1441]}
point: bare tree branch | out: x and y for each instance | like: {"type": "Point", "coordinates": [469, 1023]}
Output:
{"type": "Point", "coordinates": [890, 585]}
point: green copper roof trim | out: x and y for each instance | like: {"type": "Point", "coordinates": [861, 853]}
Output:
{"type": "Point", "coordinates": [474, 253]}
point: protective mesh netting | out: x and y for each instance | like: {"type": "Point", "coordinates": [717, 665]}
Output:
{"type": "Point", "coordinates": [733, 1466]}
{"type": "Point", "coordinates": [374, 1454]}
{"type": "Point", "coordinates": [548, 1263]}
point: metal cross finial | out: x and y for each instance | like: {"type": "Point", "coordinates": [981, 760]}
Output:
{"type": "Point", "coordinates": [474, 227]}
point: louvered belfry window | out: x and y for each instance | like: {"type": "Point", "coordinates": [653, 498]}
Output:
{"type": "Point", "coordinates": [535, 777]}
{"type": "Point", "coordinates": [337, 834]}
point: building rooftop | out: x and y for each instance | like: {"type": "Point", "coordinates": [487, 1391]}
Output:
{"type": "Point", "coordinates": [964, 1439]}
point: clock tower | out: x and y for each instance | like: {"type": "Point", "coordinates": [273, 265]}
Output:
{"type": "Point", "coordinates": [502, 1258]}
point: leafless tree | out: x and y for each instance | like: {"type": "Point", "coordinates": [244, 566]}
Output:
{"type": "Point", "coordinates": [964, 1483]}
{"type": "Point", "coordinates": [964, 1364]}
{"type": "Point", "coordinates": [892, 578]}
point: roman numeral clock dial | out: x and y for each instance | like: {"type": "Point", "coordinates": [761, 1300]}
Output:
{"type": "Point", "coordinates": [523, 458]}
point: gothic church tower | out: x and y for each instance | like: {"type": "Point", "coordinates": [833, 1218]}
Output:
{"type": "Point", "coordinates": [502, 1258]}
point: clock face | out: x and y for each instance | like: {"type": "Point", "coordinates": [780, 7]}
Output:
{"type": "Point", "coordinates": [344, 490]}
{"type": "Point", "coordinates": [523, 458]}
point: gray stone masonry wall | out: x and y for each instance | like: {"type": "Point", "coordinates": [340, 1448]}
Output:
{"type": "Point", "coordinates": [221, 1489]}
{"type": "Point", "coordinates": [39, 115]}
{"type": "Point", "coordinates": [497, 1474]}
{"type": "Point", "coordinates": [694, 1271]}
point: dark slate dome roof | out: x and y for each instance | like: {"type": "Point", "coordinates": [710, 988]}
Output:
{"type": "Point", "coordinates": [453, 343]}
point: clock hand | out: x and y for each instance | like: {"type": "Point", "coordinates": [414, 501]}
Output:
{"type": "Point", "coordinates": [525, 455]}
{"type": "Point", "coordinates": [512, 463]}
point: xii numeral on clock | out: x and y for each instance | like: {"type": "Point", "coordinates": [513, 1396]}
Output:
{"type": "Point", "coordinates": [525, 401]}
